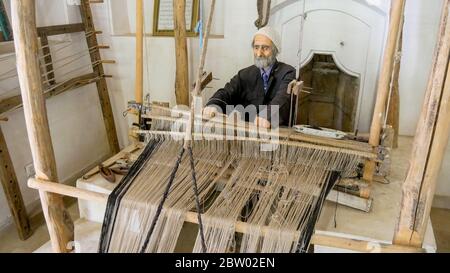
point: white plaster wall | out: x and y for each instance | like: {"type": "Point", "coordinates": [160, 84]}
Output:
{"type": "Point", "coordinates": [75, 117]}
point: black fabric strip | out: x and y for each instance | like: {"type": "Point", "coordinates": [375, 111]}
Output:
{"type": "Point", "coordinates": [117, 194]}
{"type": "Point", "coordinates": [306, 234]}
{"type": "Point", "coordinates": [197, 201]}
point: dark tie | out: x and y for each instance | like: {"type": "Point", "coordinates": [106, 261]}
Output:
{"type": "Point", "coordinates": [266, 81]}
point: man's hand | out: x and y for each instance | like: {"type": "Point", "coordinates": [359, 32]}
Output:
{"type": "Point", "coordinates": [262, 122]}
{"type": "Point", "coordinates": [209, 112]}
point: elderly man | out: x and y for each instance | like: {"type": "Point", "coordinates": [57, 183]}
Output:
{"type": "Point", "coordinates": [263, 84]}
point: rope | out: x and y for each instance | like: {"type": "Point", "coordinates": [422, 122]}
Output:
{"type": "Point", "coordinates": [302, 26]}
{"type": "Point", "coordinates": [197, 201]}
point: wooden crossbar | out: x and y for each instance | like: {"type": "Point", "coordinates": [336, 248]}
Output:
{"type": "Point", "coordinates": [240, 227]}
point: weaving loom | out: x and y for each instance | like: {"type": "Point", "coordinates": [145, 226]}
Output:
{"type": "Point", "coordinates": [277, 187]}
{"type": "Point", "coordinates": [272, 197]}
{"type": "Point", "coordinates": [279, 193]}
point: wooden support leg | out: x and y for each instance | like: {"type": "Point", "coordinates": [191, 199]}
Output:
{"type": "Point", "coordinates": [12, 191]}
{"type": "Point", "coordinates": [384, 81]}
{"type": "Point", "coordinates": [102, 87]}
{"type": "Point", "coordinates": [139, 84]}
{"type": "Point", "coordinates": [393, 118]}
{"type": "Point", "coordinates": [59, 224]}
{"type": "Point", "coordinates": [429, 145]}
{"type": "Point", "coordinates": [182, 73]}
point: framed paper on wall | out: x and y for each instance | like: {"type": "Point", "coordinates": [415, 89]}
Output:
{"type": "Point", "coordinates": [163, 17]}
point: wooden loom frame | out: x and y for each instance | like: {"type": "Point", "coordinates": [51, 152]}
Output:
{"type": "Point", "coordinates": [7, 174]}
{"type": "Point", "coordinates": [435, 118]}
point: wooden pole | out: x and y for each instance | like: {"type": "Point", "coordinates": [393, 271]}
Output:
{"type": "Point", "coordinates": [198, 82]}
{"type": "Point", "coordinates": [393, 111]}
{"type": "Point", "coordinates": [181, 53]}
{"type": "Point", "coordinates": [139, 88]}
{"type": "Point", "coordinates": [393, 117]}
{"type": "Point", "coordinates": [102, 87]}
{"type": "Point", "coordinates": [384, 81]}
{"type": "Point", "coordinates": [59, 224]}
{"type": "Point", "coordinates": [429, 145]}
{"type": "Point", "coordinates": [12, 191]}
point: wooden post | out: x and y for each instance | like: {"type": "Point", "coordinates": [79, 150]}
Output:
{"type": "Point", "coordinates": [59, 224]}
{"type": "Point", "coordinates": [429, 145]}
{"type": "Point", "coordinates": [384, 81]}
{"type": "Point", "coordinates": [393, 111]}
{"type": "Point", "coordinates": [198, 82]}
{"type": "Point", "coordinates": [12, 191]}
{"type": "Point", "coordinates": [393, 117]}
{"type": "Point", "coordinates": [182, 70]}
{"type": "Point", "coordinates": [102, 88]}
{"type": "Point", "coordinates": [139, 88]}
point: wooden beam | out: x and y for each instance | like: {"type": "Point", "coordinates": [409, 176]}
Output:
{"type": "Point", "coordinates": [206, 79]}
{"type": "Point", "coordinates": [71, 84]}
{"type": "Point", "coordinates": [12, 191]}
{"type": "Point", "coordinates": [393, 113]}
{"type": "Point", "coordinates": [59, 224]}
{"type": "Point", "coordinates": [240, 227]}
{"type": "Point", "coordinates": [181, 54]}
{"type": "Point", "coordinates": [282, 133]}
{"type": "Point", "coordinates": [139, 85]}
{"type": "Point", "coordinates": [397, 8]}
{"type": "Point", "coordinates": [60, 29]}
{"type": "Point", "coordinates": [16, 101]}
{"type": "Point", "coordinates": [350, 200]}
{"type": "Point", "coordinates": [393, 117]}
{"type": "Point", "coordinates": [361, 245]}
{"type": "Point", "coordinates": [367, 155]}
{"type": "Point", "coordinates": [102, 88]}
{"type": "Point", "coordinates": [429, 145]}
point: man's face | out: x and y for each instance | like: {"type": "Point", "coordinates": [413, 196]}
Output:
{"type": "Point", "coordinates": [263, 51]}
{"type": "Point", "coordinates": [262, 46]}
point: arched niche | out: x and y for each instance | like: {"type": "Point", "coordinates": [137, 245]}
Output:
{"type": "Point", "coordinates": [351, 31]}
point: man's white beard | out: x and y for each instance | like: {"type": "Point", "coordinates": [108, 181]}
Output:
{"type": "Point", "coordinates": [264, 62]}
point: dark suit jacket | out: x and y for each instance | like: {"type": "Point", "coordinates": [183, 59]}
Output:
{"type": "Point", "coordinates": [247, 88]}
